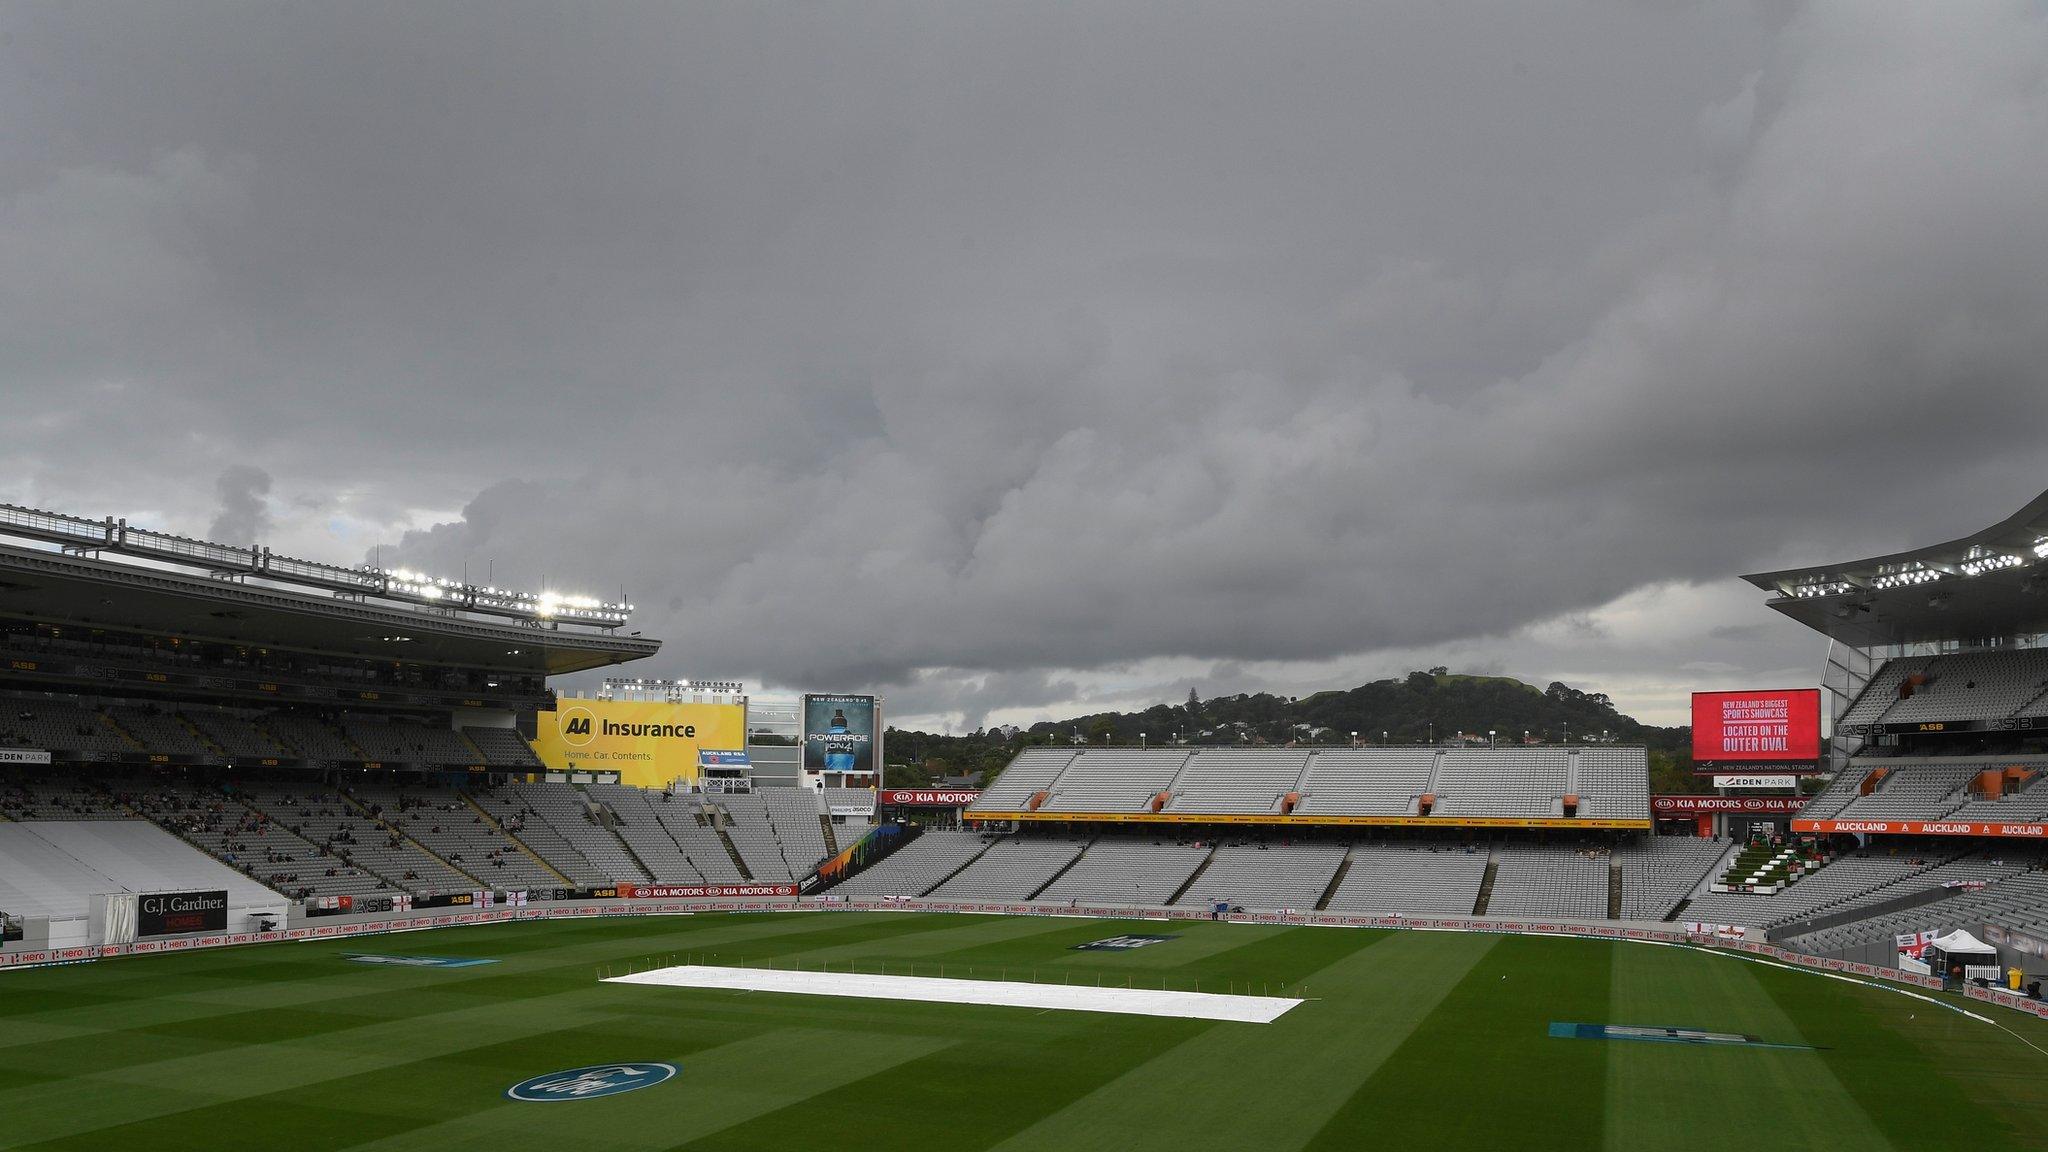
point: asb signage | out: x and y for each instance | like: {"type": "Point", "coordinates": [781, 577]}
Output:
{"type": "Point", "coordinates": [1733, 805]}
{"type": "Point", "coordinates": [839, 733]}
{"type": "Point", "coordinates": [176, 913]}
{"type": "Point", "coordinates": [929, 797]}
{"type": "Point", "coordinates": [1773, 726]}
{"type": "Point", "coordinates": [648, 743]}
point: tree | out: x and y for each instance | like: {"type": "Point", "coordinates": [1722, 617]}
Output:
{"type": "Point", "coordinates": [1194, 703]}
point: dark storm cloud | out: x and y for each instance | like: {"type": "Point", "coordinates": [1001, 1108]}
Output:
{"type": "Point", "coordinates": [961, 348]}
{"type": "Point", "coordinates": [244, 515]}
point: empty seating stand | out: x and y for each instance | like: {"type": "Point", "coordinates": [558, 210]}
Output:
{"type": "Point", "coordinates": [1911, 791]}
{"type": "Point", "coordinates": [446, 824]}
{"type": "Point", "coordinates": [1405, 881]}
{"type": "Point", "coordinates": [1662, 871]}
{"type": "Point", "coordinates": [326, 819]}
{"type": "Point", "coordinates": [1531, 880]}
{"type": "Point", "coordinates": [1010, 870]}
{"type": "Point", "coordinates": [569, 813]}
{"type": "Point", "coordinates": [1032, 772]}
{"type": "Point", "coordinates": [1267, 877]}
{"type": "Point", "coordinates": [776, 831]}
{"type": "Point", "coordinates": [1847, 883]}
{"type": "Point", "coordinates": [917, 867]}
{"type": "Point", "coordinates": [1607, 783]}
{"type": "Point", "coordinates": [1123, 781]}
{"type": "Point", "coordinates": [234, 734]}
{"type": "Point", "coordinates": [1613, 783]}
{"type": "Point", "coordinates": [1127, 872]}
{"type": "Point", "coordinates": [668, 836]}
{"type": "Point", "coordinates": [502, 747]}
{"type": "Point", "coordinates": [526, 825]}
{"type": "Point", "coordinates": [1226, 780]}
{"type": "Point", "coordinates": [1366, 781]}
{"type": "Point", "coordinates": [1519, 782]}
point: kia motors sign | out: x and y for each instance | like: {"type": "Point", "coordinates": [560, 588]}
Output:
{"type": "Point", "coordinates": [1772, 726]}
{"type": "Point", "coordinates": [175, 913]}
{"type": "Point", "coordinates": [929, 798]}
{"type": "Point", "coordinates": [700, 891]}
{"type": "Point", "coordinates": [1736, 805]}
{"type": "Point", "coordinates": [1772, 780]}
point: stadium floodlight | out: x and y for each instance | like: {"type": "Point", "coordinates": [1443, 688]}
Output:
{"type": "Point", "coordinates": [1908, 575]}
{"type": "Point", "coordinates": [1982, 559]}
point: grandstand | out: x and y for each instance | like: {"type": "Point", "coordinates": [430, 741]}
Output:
{"type": "Point", "coordinates": [918, 867]}
{"type": "Point", "coordinates": [1266, 876]}
{"type": "Point", "coordinates": [1421, 880]}
{"type": "Point", "coordinates": [1604, 787]}
{"type": "Point", "coordinates": [1545, 881]}
{"type": "Point", "coordinates": [1012, 869]}
{"type": "Point", "coordinates": [213, 696]}
{"type": "Point", "coordinates": [1137, 872]}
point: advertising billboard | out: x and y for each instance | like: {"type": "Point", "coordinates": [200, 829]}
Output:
{"type": "Point", "coordinates": [1769, 726]}
{"type": "Point", "coordinates": [648, 743]}
{"type": "Point", "coordinates": [172, 913]}
{"type": "Point", "coordinates": [839, 733]}
{"type": "Point", "coordinates": [1735, 805]}
{"type": "Point", "coordinates": [929, 797]}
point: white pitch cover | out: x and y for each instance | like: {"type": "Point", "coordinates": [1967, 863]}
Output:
{"type": "Point", "coordinates": [934, 990]}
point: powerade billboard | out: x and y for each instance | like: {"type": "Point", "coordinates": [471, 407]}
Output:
{"type": "Point", "coordinates": [173, 913]}
{"type": "Point", "coordinates": [839, 733]}
{"type": "Point", "coordinates": [648, 743]}
{"type": "Point", "coordinates": [1771, 726]}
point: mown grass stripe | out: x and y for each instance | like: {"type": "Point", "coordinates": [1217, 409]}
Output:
{"type": "Point", "coordinates": [1919, 1072]}
{"type": "Point", "coordinates": [1786, 1092]}
{"type": "Point", "coordinates": [1274, 1089]}
{"type": "Point", "coordinates": [718, 1088]}
{"type": "Point", "coordinates": [1481, 1070]}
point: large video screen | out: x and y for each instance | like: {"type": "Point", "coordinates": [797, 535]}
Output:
{"type": "Point", "coordinates": [1776, 726]}
{"type": "Point", "coordinates": [839, 733]}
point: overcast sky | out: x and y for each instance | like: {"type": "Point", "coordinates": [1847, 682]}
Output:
{"type": "Point", "coordinates": [1016, 360]}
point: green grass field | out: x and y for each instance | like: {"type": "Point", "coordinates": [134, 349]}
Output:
{"type": "Point", "coordinates": [1408, 1039]}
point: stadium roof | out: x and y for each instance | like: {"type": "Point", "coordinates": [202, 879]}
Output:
{"type": "Point", "coordinates": [1987, 585]}
{"type": "Point", "coordinates": [74, 590]}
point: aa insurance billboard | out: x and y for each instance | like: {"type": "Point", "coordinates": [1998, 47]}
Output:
{"type": "Point", "coordinates": [839, 733]}
{"type": "Point", "coordinates": [646, 743]}
{"type": "Point", "coordinates": [1771, 726]}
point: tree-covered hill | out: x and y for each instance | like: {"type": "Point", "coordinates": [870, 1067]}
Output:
{"type": "Point", "coordinates": [1419, 708]}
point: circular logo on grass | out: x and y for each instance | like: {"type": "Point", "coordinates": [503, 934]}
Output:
{"type": "Point", "coordinates": [590, 1083]}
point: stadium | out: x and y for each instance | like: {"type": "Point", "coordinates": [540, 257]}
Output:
{"type": "Point", "coordinates": [302, 855]}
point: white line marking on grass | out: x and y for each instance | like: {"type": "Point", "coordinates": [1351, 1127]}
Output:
{"type": "Point", "coordinates": [935, 990]}
{"type": "Point", "coordinates": [1956, 1008]}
